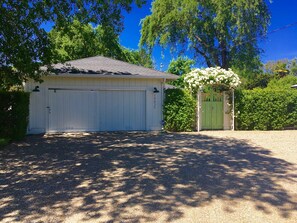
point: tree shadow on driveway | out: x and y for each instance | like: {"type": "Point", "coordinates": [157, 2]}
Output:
{"type": "Point", "coordinates": [139, 177]}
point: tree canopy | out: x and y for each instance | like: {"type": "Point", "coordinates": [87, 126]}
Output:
{"type": "Point", "coordinates": [281, 67]}
{"type": "Point", "coordinates": [24, 43]}
{"type": "Point", "coordinates": [223, 32]}
{"type": "Point", "coordinates": [82, 40]}
{"type": "Point", "coordinates": [180, 66]}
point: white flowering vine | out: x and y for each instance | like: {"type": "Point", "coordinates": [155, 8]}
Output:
{"type": "Point", "coordinates": [198, 78]}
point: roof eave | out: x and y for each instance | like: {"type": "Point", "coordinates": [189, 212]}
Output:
{"type": "Point", "coordinates": [167, 77]}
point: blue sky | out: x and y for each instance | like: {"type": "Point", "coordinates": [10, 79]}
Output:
{"type": "Point", "coordinates": [278, 45]}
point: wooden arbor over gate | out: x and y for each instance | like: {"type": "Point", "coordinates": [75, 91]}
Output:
{"type": "Point", "coordinates": [213, 111]}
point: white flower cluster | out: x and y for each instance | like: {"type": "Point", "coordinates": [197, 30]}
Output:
{"type": "Point", "coordinates": [198, 78]}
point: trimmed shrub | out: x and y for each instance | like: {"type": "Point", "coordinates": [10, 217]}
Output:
{"type": "Point", "coordinates": [283, 83]}
{"type": "Point", "coordinates": [14, 113]}
{"type": "Point", "coordinates": [179, 110]}
{"type": "Point", "coordinates": [266, 109]}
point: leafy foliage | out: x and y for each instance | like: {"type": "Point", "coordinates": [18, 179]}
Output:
{"type": "Point", "coordinates": [179, 110]}
{"type": "Point", "coordinates": [258, 81]}
{"type": "Point", "coordinates": [223, 32]}
{"type": "Point", "coordinates": [293, 67]}
{"type": "Point", "coordinates": [180, 67]}
{"type": "Point", "coordinates": [274, 72]}
{"type": "Point", "coordinates": [266, 109]}
{"type": "Point", "coordinates": [283, 83]}
{"type": "Point", "coordinates": [278, 68]}
{"type": "Point", "coordinates": [139, 57]}
{"type": "Point", "coordinates": [24, 44]}
{"type": "Point", "coordinates": [14, 112]}
{"type": "Point", "coordinates": [82, 40]}
{"type": "Point", "coordinates": [281, 68]}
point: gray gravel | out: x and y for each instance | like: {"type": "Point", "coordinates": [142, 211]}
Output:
{"type": "Point", "coordinates": [151, 177]}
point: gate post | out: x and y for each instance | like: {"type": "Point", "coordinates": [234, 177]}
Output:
{"type": "Point", "coordinates": [198, 110]}
{"type": "Point", "coordinates": [233, 111]}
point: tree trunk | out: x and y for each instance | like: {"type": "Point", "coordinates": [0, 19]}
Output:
{"type": "Point", "coordinates": [224, 55]}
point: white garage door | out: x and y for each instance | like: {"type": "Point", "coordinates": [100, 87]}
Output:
{"type": "Point", "coordinates": [84, 110]}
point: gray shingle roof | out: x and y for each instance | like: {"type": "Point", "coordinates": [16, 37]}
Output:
{"type": "Point", "coordinates": [107, 67]}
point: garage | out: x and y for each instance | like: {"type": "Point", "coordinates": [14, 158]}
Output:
{"type": "Point", "coordinates": [97, 94]}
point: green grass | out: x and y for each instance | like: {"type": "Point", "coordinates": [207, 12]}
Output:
{"type": "Point", "coordinates": [4, 142]}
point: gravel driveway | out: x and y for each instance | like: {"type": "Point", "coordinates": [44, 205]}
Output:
{"type": "Point", "coordinates": [151, 177]}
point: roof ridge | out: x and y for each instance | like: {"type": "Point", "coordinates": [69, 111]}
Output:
{"type": "Point", "coordinates": [75, 60]}
{"type": "Point", "coordinates": [115, 60]}
{"type": "Point", "coordinates": [98, 64]}
{"type": "Point", "coordinates": [136, 65]}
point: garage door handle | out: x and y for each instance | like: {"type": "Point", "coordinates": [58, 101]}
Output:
{"type": "Point", "coordinates": [49, 109]}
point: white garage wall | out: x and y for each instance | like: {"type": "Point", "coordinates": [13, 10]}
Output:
{"type": "Point", "coordinates": [38, 119]}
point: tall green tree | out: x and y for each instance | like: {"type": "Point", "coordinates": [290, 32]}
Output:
{"type": "Point", "coordinates": [139, 57]}
{"type": "Point", "coordinates": [24, 44]}
{"type": "Point", "coordinates": [223, 32]}
{"type": "Point", "coordinates": [279, 67]}
{"type": "Point", "coordinates": [82, 40]}
{"type": "Point", "coordinates": [180, 66]}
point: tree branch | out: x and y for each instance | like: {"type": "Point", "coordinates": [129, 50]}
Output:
{"type": "Point", "coordinates": [210, 49]}
{"type": "Point", "coordinates": [207, 59]}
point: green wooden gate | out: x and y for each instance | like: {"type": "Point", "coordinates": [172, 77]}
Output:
{"type": "Point", "coordinates": [212, 111]}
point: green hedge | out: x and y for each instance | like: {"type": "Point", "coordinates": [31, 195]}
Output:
{"type": "Point", "coordinates": [179, 110]}
{"type": "Point", "coordinates": [283, 83]}
{"type": "Point", "coordinates": [14, 113]}
{"type": "Point", "coordinates": [266, 109]}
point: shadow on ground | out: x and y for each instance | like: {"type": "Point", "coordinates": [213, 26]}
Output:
{"type": "Point", "coordinates": [133, 177]}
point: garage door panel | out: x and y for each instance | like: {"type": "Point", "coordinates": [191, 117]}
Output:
{"type": "Point", "coordinates": [121, 110]}
{"type": "Point", "coordinates": [69, 110]}
{"type": "Point", "coordinates": [73, 110]}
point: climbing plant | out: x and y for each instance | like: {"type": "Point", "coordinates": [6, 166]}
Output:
{"type": "Point", "coordinates": [215, 77]}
